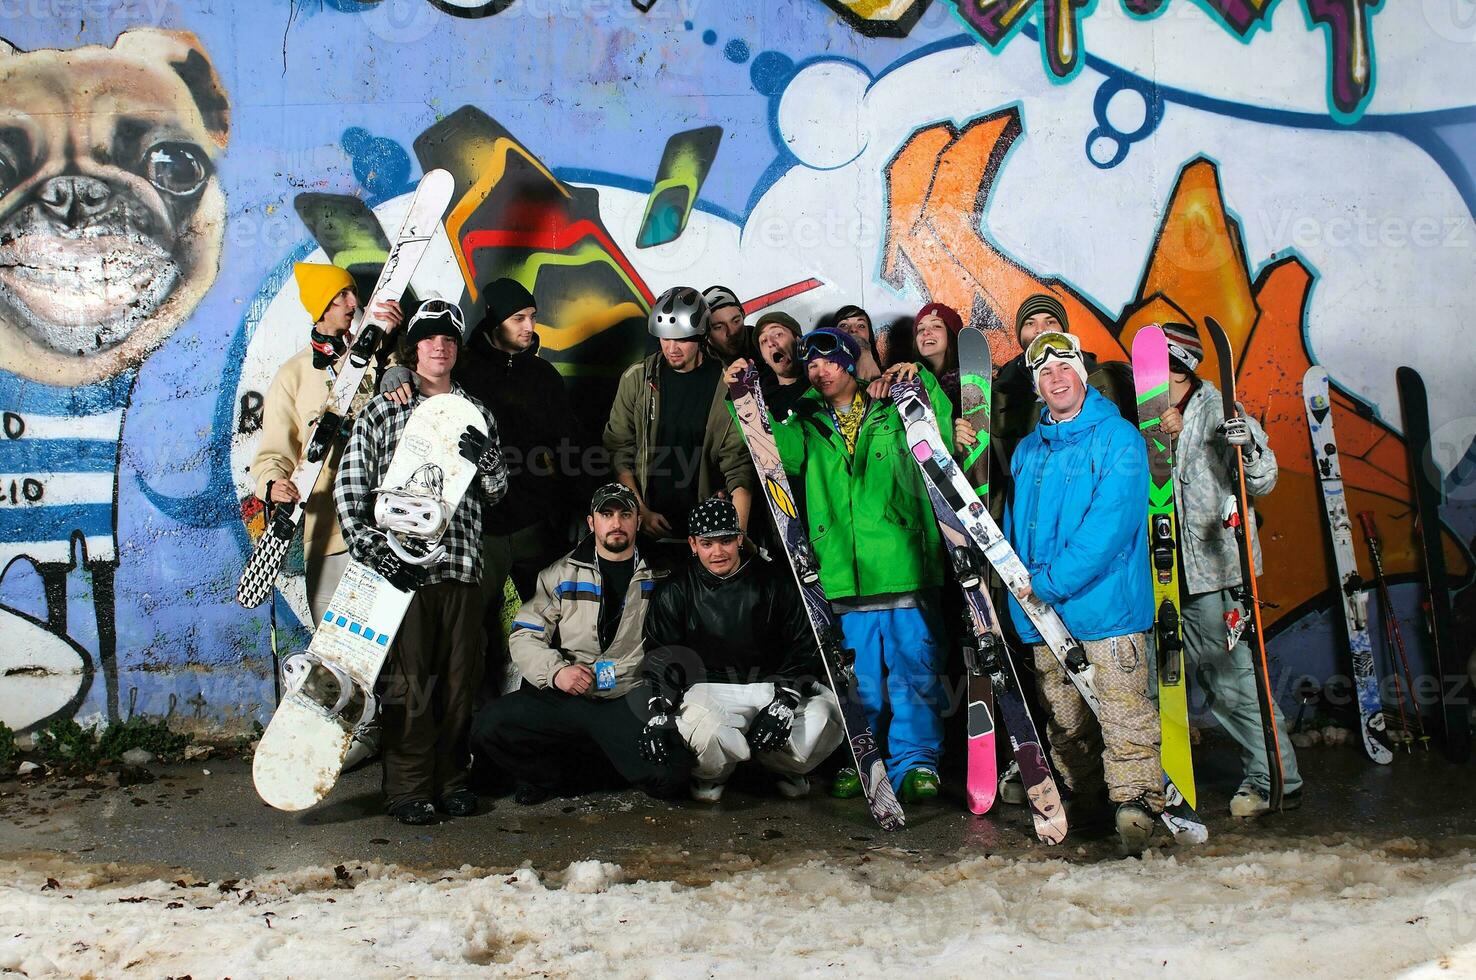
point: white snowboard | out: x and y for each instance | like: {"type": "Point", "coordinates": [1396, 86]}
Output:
{"type": "Point", "coordinates": [301, 754]}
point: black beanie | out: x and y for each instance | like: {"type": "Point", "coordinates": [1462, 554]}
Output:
{"type": "Point", "coordinates": [501, 299]}
{"type": "Point", "coordinates": [430, 322]}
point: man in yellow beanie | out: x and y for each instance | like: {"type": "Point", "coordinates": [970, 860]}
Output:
{"type": "Point", "coordinates": [294, 402]}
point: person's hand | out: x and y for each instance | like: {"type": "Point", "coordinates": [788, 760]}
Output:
{"type": "Point", "coordinates": [388, 312]}
{"type": "Point", "coordinates": [660, 742]}
{"type": "Point", "coordinates": [771, 726]}
{"type": "Point", "coordinates": [1172, 421]}
{"type": "Point", "coordinates": [965, 436]}
{"type": "Point", "coordinates": [735, 370]}
{"type": "Point", "coordinates": [283, 492]}
{"type": "Point", "coordinates": [1236, 431]}
{"type": "Point", "coordinates": [901, 371]}
{"type": "Point", "coordinates": [400, 395]}
{"type": "Point", "coordinates": [655, 524]}
{"type": "Point", "coordinates": [573, 679]}
{"type": "Point", "coordinates": [1024, 594]}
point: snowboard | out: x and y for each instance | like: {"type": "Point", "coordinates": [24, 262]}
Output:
{"type": "Point", "coordinates": [1151, 380]}
{"type": "Point", "coordinates": [1246, 621]}
{"type": "Point", "coordinates": [330, 687]}
{"type": "Point", "coordinates": [942, 475]}
{"type": "Point", "coordinates": [755, 422]}
{"type": "Point", "coordinates": [1354, 599]}
{"type": "Point", "coordinates": [975, 370]}
{"type": "Point", "coordinates": [421, 223]}
{"type": "Point", "coordinates": [1455, 708]}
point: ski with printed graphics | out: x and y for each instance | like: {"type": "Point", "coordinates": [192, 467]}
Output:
{"type": "Point", "coordinates": [1449, 661]}
{"type": "Point", "coordinates": [1245, 622]}
{"type": "Point", "coordinates": [1151, 379]}
{"type": "Point", "coordinates": [975, 369]}
{"type": "Point", "coordinates": [753, 418]}
{"type": "Point", "coordinates": [1315, 395]}
{"type": "Point", "coordinates": [942, 475]}
{"type": "Point", "coordinates": [422, 222]}
{"type": "Point", "coordinates": [329, 689]}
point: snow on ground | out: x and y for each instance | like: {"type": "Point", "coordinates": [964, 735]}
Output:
{"type": "Point", "coordinates": [1336, 910]}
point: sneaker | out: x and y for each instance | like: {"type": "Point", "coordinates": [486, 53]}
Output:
{"type": "Point", "coordinates": [526, 794]}
{"type": "Point", "coordinates": [1134, 825]}
{"type": "Point", "coordinates": [416, 813]}
{"type": "Point", "coordinates": [846, 785]}
{"type": "Point", "coordinates": [1011, 786]}
{"type": "Point", "coordinates": [919, 784]}
{"type": "Point", "coordinates": [363, 747]}
{"type": "Point", "coordinates": [460, 803]}
{"type": "Point", "coordinates": [705, 791]}
{"type": "Point", "coordinates": [792, 787]}
{"type": "Point", "coordinates": [1251, 801]}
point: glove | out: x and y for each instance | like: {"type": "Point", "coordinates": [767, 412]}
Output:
{"type": "Point", "coordinates": [658, 741]}
{"type": "Point", "coordinates": [478, 448]}
{"type": "Point", "coordinates": [771, 726]}
{"type": "Point", "coordinates": [403, 576]}
{"type": "Point", "coordinates": [1237, 432]}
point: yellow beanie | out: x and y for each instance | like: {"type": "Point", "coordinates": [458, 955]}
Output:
{"type": "Point", "coordinates": [317, 284]}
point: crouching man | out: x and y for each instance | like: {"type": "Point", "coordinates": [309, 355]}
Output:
{"type": "Point", "coordinates": [577, 643]}
{"type": "Point", "coordinates": [732, 664]}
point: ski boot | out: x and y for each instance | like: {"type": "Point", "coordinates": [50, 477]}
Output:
{"type": "Point", "coordinates": [1250, 801]}
{"type": "Point", "coordinates": [1135, 821]}
{"type": "Point", "coordinates": [919, 784]}
{"type": "Point", "coordinates": [707, 791]}
{"type": "Point", "coordinates": [846, 785]}
{"type": "Point", "coordinates": [792, 787]}
{"type": "Point", "coordinates": [1011, 786]}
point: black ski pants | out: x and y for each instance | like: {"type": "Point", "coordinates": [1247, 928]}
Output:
{"type": "Point", "coordinates": [545, 738]}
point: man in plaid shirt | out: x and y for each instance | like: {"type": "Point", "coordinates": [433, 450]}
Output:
{"type": "Point", "coordinates": [435, 664]}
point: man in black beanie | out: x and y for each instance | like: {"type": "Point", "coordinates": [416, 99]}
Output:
{"type": "Point", "coordinates": [501, 368]}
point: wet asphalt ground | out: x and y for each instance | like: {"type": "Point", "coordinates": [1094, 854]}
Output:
{"type": "Point", "coordinates": [204, 819]}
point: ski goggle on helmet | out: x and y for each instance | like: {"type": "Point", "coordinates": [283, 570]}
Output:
{"type": "Point", "coordinates": [1052, 344]}
{"type": "Point", "coordinates": [678, 314]}
{"type": "Point", "coordinates": [435, 309]}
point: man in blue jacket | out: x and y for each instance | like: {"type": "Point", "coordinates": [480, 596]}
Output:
{"type": "Point", "coordinates": [1079, 522]}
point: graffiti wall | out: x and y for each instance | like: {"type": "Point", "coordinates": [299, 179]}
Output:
{"type": "Point", "coordinates": [1304, 171]}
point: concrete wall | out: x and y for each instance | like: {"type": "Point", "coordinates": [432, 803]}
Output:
{"type": "Point", "coordinates": [1302, 170]}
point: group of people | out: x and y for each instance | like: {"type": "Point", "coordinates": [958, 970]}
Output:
{"type": "Point", "coordinates": [670, 645]}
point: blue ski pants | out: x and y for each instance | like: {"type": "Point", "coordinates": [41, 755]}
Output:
{"type": "Point", "coordinates": [899, 657]}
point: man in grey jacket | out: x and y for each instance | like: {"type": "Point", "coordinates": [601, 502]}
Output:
{"type": "Point", "coordinates": [578, 644]}
{"type": "Point", "coordinates": [1210, 565]}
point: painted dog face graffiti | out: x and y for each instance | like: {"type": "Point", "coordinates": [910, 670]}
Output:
{"type": "Point", "coordinates": [111, 215]}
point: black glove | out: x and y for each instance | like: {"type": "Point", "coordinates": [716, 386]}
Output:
{"type": "Point", "coordinates": [403, 576]}
{"type": "Point", "coordinates": [474, 444]}
{"type": "Point", "coordinates": [660, 742]}
{"type": "Point", "coordinates": [771, 726]}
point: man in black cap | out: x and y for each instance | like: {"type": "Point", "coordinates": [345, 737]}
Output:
{"type": "Point", "coordinates": [729, 644]}
{"type": "Point", "coordinates": [728, 338]}
{"type": "Point", "coordinates": [577, 643]}
{"type": "Point", "coordinates": [435, 664]}
{"type": "Point", "coordinates": [529, 528]}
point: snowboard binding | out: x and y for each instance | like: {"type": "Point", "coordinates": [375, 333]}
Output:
{"type": "Point", "coordinates": [330, 687]}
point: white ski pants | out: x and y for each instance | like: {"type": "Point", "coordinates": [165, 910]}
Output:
{"type": "Point", "coordinates": [714, 718]}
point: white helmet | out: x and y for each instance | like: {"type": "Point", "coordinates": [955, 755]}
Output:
{"type": "Point", "coordinates": [678, 314]}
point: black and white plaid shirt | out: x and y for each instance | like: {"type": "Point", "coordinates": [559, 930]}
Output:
{"type": "Point", "coordinates": [372, 443]}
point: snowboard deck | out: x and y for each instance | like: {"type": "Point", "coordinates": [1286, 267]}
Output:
{"type": "Point", "coordinates": [1353, 598]}
{"type": "Point", "coordinates": [1248, 594]}
{"type": "Point", "coordinates": [942, 474]}
{"type": "Point", "coordinates": [1455, 708]}
{"type": "Point", "coordinates": [1151, 379]}
{"type": "Point", "coordinates": [301, 753]}
{"type": "Point", "coordinates": [421, 224]}
{"type": "Point", "coordinates": [755, 422]}
{"type": "Point", "coordinates": [981, 779]}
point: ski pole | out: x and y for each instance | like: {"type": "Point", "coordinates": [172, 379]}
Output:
{"type": "Point", "coordinates": [1390, 617]}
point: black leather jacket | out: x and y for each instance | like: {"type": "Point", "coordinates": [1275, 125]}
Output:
{"type": "Point", "coordinates": [748, 628]}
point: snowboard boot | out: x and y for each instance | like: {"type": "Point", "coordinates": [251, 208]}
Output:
{"type": "Point", "coordinates": [1011, 786]}
{"type": "Point", "coordinates": [707, 791]}
{"type": "Point", "coordinates": [459, 803]}
{"type": "Point", "coordinates": [846, 785]}
{"type": "Point", "coordinates": [527, 794]}
{"type": "Point", "coordinates": [792, 787]}
{"type": "Point", "coordinates": [415, 813]}
{"type": "Point", "coordinates": [364, 746]}
{"type": "Point", "coordinates": [1134, 825]}
{"type": "Point", "coordinates": [1250, 802]}
{"type": "Point", "coordinates": [919, 784]}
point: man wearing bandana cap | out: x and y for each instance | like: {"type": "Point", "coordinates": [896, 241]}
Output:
{"type": "Point", "coordinates": [1078, 520]}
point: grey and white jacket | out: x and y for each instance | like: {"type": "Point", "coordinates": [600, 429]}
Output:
{"type": "Point", "coordinates": [1204, 478]}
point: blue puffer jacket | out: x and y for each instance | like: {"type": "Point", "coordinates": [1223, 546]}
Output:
{"type": "Point", "coordinates": [1079, 520]}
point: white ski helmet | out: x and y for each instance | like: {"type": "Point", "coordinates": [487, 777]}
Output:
{"type": "Point", "coordinates": [678, 314]}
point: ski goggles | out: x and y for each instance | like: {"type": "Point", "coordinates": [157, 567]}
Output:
{"type": "Point", "coordinates": [436, 309]}
{"type": "Point", "coordinates": [828, 343]}
{"type": "Point", "coordinates": [1052, 344]}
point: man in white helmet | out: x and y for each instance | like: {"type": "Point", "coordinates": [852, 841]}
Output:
{"type": "Point", "coordinates": [670, 436]}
